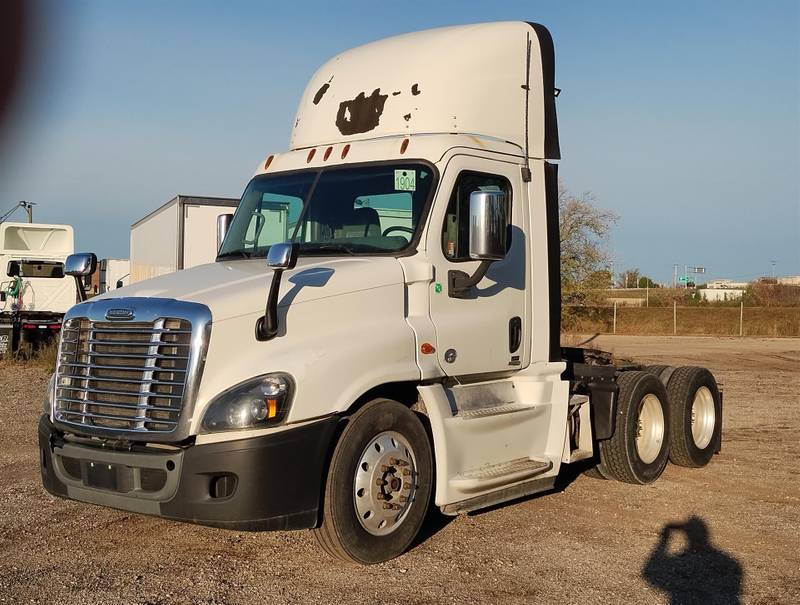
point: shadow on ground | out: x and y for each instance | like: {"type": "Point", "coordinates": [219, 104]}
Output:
{"type": "Point", "coordinates": [696, 573]}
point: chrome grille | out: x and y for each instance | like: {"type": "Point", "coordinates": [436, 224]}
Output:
{"type": "Point", "coordinates": [123, 377]}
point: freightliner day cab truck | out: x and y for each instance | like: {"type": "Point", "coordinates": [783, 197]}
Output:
{"type": "Point", "coordinates": [380, 330]}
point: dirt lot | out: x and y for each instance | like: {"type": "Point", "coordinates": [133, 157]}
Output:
{"type": "Point", "coordinates": [593, 541]}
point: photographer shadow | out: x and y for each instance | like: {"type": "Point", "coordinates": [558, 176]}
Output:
{"type": "Point", "coordinates": [700, 573]}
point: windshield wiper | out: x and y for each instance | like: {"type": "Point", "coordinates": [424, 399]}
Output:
{"type": "Point", "coordinates": [328, 247]}
{"type": "Point", "coordinates": [234, 253]}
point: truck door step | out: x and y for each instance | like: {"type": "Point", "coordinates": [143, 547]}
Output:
{"type": "Point", "coordinates": [508, 408]}
{"type": "Point", "coordinates": [505, 473]}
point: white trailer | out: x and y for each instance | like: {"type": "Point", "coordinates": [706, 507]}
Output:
{"type": "Point", "coordinates": [35, 293]}
{"type": "Point", "coordinates": [178, 235]}
{"type": "Point", "coordinates": [380, 331]}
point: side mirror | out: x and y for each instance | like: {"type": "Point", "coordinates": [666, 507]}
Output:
{"type": "Point", "coordinates": [79, 266]}
{"type": "Point", "coordinates": [488, 225]}
{"type": "Point", "coordinates": [119, 284]}
{"type": "Point", "coordinates": [279, 258]}
{"type": "Point", "coordinates": [282, 256]}
{"type": "Point", "coordinates": [13, 268]}
{"type": "Point", "coordinates": [223, 224]}
{"type": "Point", "coordinates": [488, 239]}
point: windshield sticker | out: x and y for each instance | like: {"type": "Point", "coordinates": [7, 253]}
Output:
{"type": "Point", "coordinates": [405, 180]}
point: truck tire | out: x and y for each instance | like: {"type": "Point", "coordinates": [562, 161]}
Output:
{"type": "Point", "coordinates": [657, 370]}
{"type": "Point", "coordinates": [597, 472]}
{"type": "Point", "coordinates": [695, 416]}
{"type": "Point", "coordinates": [639, 449]}
{"type": "Point", "coordinates": [379, 485]}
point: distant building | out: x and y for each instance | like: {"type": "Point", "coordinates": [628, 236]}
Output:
{"type": "Point", "coordinates": [793, 280]}
{"type": "Point", "coordinates": [726, 284]}
{"type": "Point", "coordinates": [720, 294]}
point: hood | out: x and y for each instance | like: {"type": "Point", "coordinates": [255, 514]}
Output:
{"type": "Point", "coordinates": [239, 287]}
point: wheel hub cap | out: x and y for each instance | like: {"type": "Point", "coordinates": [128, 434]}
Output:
{"type": "Point", "coordinates": [703, 417]}
{"type": "Point", "coordinates": [385, 482]}
{"type": "Point", "coordinates": [650, 429]}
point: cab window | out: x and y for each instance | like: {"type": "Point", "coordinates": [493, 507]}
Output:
{"type": "Point", "coordinates": [455, 231]}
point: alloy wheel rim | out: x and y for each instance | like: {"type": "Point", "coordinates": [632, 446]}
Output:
{"type": "Point", "coordinates": [703, 417]}
{"type": "Point", "coordinates": [385, 483]}
{"type": "Point", "coordinates": [650, 428]}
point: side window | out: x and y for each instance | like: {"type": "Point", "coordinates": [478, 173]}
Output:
{"type": "Point", "coordinates": [455, 231]}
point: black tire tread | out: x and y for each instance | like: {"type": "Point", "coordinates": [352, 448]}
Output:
{"type": "Point", "coordinates": [679, 384]}
{"type": "Point", "coordinates": [614, 452]}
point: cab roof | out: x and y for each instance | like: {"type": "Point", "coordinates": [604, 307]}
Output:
{"type": "Point", "coordinates": [468, 79]}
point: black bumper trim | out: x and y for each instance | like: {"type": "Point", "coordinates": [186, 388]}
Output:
{"type": "Point", "coordinates": [278, 479]}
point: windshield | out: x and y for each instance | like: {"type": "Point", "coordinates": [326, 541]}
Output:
{"type": "Point", "coordinates": [362, 210]}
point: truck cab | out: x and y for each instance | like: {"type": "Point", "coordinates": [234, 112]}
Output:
{"type": "Point", "coordinates": [380, 330]}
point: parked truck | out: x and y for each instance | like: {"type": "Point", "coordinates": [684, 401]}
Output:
{"type": "Point", "coordinates": [178, 235]}
{"type": "Point", "coordinates": [36, 293]}
{"type": "Point", "coordinates": [381, 327]}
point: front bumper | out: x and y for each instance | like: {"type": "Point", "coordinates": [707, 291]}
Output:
{"type": "Point", "coordinates": [272, 482]}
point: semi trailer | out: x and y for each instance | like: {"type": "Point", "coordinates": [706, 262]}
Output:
{"type": "Point", "coordinates": [380, 330]}
{"type": "Point", "coordinates": [35, 293]}
{"type": "Point", "coordinates": [178, 235]}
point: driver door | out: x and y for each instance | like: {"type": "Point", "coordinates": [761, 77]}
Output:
{"type": "Point", "coordinates": [485, 332]}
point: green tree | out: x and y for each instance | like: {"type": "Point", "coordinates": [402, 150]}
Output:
{"type": "Point", "coordinates": [583, 229]}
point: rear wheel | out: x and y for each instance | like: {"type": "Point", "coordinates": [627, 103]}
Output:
{"type": "Point", "coordinates": [378, 486]}
{"type": "Point", "coordinates": [696, 416]}
{"type": "Point", "coordinates": [639, 449]}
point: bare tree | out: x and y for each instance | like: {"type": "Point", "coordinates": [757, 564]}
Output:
{"type": "Point", "coordinates": [629, 278]}
{"type": "Point", "coordinates": [584, 229]}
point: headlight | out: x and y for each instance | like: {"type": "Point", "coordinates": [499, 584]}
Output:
{"type": "Point", "coordinates": [263, 401]}
{"type": "Point", "coordinates": [49, 396]}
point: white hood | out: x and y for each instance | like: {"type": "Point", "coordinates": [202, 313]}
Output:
{"type": "Point", "coordinates": [235, 288]}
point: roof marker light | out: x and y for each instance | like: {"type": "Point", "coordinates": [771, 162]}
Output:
{"type": "Point", "coordinates": [311, 154]}
{"type": "Point", "coordinates": [327, 154]}
{"type": "Point", "coordinates": [403, 146]}
{"type": "Point", "coordinates": [345, 149]}
{"type": "Point", "coordinates": [269, 161]}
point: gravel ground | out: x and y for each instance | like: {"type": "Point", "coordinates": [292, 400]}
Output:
{"type": "Point", "coordinates": [731, 530]}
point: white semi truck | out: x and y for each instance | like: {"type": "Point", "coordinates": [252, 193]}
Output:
{"type": "Point", "coordinates": [380, 330]}
{"type": "Point", "coordinates": [35, 293]}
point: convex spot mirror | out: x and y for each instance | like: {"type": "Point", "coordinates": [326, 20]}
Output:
{"type": "Point", "coordinates": [488, 225]}
{"type": "Point", "coordinates": [223, 225]}
{"type": "Point", "coordinates": [80, 264]}
{"type": "Point", "coordinates": [282, 256]}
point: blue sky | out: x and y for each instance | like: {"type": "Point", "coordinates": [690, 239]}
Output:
{"type": "Point", "coordinates": [682, 117]}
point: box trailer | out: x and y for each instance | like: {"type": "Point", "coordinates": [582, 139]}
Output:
{"type": "Point", "coordinates": [380, 331]}
{"type": "Point", "coordinates": [35, 293]}
{"type": "Point", "coordinates": [178, 235]}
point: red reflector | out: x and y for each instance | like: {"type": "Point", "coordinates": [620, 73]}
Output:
{"type": "Point", "coordinates": [427, 348]}
{"type": "Point", "coordinates": [345, 150]}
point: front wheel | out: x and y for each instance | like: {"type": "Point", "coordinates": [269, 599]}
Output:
{"type": "Point", "coordinates": [379, 485]}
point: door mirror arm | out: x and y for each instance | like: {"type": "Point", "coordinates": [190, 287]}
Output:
{"type": "Point", "coordinates": [279, 258]}
{"type": "Point", "coordinates": [459, 283]}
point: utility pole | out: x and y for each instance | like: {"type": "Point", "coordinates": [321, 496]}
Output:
{"type": "Point", "coordinates": [28, 206]}
{"type": "Point", "coordinates": [773, 268]}
{"type": "Point", "coordinates": [674, 276]}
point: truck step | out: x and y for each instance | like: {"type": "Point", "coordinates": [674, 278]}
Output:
{"type": "Point", "coordinates": [487, 477]}
{"type": "Point", "coordinates": [508, 408]}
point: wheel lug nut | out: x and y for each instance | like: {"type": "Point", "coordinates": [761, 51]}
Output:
{"type": "Point", "coordinates": [386, 469]}
{"type": "Point", "coordinates": [402, 498]}
{"type": "Point", "coordinates": [380, 496]}
{"type": "Point", "coordinates": [406, 472]}
{"type": "Point", "coordinates": [387, 506]}
{"type": "Point", "coordinates": [406, 486]}
{"type": "Point", "coordinates": [380, 482]}
{"type": "Point", "coordinates": [396, 506]}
